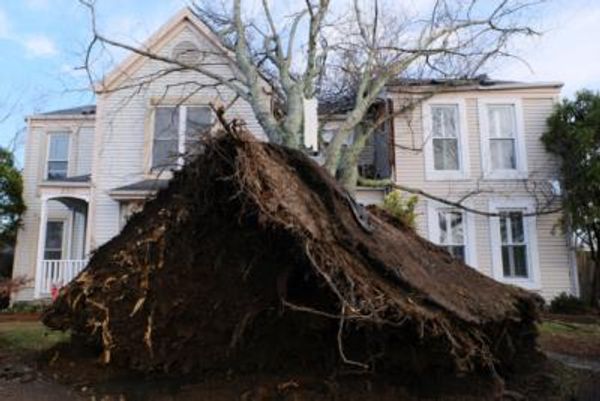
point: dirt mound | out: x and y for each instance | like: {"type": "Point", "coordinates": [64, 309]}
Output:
{"type": "Point", "coordinates": [255, 259]}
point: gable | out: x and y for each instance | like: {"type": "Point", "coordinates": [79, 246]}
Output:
{"type": "Point", "coordinates": [183, 26]}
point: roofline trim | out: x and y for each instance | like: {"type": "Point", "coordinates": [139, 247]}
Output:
{"type": "Point", "coordinates": [477, 87]}
{"type": "Point", "coordinates": [55, 117]}
{"type": "Point", "coordinates": [132, 194]}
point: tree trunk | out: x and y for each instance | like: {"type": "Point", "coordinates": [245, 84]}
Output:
{"type": "Point", "coordinates": [348, 177]}
{"type": "Point", "coordinates": [348, 168]}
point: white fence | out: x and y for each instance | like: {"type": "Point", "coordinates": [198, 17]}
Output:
{"type": "Point", "coordinates": [55, 274]}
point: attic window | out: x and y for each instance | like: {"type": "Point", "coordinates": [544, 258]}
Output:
{"type": "Point", "coordinates": [187, 53]}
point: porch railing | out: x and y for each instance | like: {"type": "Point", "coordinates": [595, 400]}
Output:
{"type": "Point", "coordinates": [53, 274]}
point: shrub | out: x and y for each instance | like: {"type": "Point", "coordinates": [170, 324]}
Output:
{"type": "Point", "coordinates": [568, 304]}
{"type": "Point", "coordinates": [9, 286]}
{"type": "Point", "coordinates": [26, 307]}
{"type": "Point", "coordinates": [402, 207]}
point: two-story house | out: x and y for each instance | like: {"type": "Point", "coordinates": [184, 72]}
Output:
{"type": "Point", "coordinates": [478, 143]}
{"type": "Point", "coordinates": [87, 169]}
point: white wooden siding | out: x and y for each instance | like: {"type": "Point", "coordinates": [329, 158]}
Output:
{"type": "Point", "coordinates": [410, 171]}
{"type": "Point", "coordinates": [81, 133]}
{"type": "Point", "coordinates": [124, 129]}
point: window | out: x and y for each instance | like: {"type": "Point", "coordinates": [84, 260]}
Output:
{"type": "Point", "coordinates": [58, 156]}
{"type": "Point", "coordinates": [453, 229]}
{"type": "Point", "coordinates": [514, 249]}
{"type": "Point", "coordinates": [446, 152]}
{"type": "Point", "coordinates": [445, 132]}
{"type": "Point", "coordinates": [198, 121]}
{"type": "Point", "coordinates": [177, 130]}
{"type": "Point", "coordinates": [452, 232]}
{"type": "Point", "coordinates": [54, 240]}
{"type": "Point", "coordinates": [165, 150]}
{"type": "Point", "coordinates": [502, 136]}
{"type": "Point", "coordinates": [502, 131]}
{"type": "Point", "coordinates": [513, 244]}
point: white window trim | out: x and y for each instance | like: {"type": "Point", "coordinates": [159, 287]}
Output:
{"type": "Point", "coordinates": [520, 146]}
{"type": "Point", "coordinates": [533, 282]}
{"type": "Point", "coordinates": [431, 174]}
{"type": "Point", "coordinates": [69, 152]}
{"type": "Point", "coordinates": [433, 229]}
{"type": "Point", "coordinates": [180, 129]}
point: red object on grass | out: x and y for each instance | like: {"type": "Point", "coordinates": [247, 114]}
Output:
{"type": "Point", "coordinates": [54, 291]}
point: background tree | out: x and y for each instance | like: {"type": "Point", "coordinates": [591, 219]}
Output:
{"type": "Point", "coordinates": [12, 205]}
{"type": "Point", "coordinates": [291, 53]}
{"type": "Point", "coordinates": [574, 136]}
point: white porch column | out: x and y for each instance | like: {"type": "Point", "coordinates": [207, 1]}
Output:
{"type": "Point", "coordinates": [88, 233]}
{"type": "Point", "coordinates": [40, 250]}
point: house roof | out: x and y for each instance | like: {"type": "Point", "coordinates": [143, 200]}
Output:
{"type": "Point", "coordinates": [86, 110]}
{"type": "Point", "coordinates": [481, 82]}
{"type": "Point", "coordinates": [139, 190]}
{"type": "Point", "coordinates": [79, 112]}
{"type": "Point", "coordinates": [144, 185]}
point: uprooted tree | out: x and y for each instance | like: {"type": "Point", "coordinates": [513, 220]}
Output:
{"type": "Point", "coordinates": [289, 53]}
{"type": "Point", "coordinates": [256, 258]}
{"type": "Point", "coordinates": [228, 269]}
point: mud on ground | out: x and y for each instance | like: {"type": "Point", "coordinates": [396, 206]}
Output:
{"type": "Point", "coordinates": [65, 373]}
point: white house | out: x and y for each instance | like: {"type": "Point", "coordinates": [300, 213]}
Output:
{"type": "Point", "coordinates": [88, 168]}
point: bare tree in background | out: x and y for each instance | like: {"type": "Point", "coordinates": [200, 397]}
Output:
{"type": "Point", "coordinates": [286, 56]}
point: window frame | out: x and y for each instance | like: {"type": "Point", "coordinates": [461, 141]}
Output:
{"type": "Point", "coordinates": [181, 131]}
{"type": "Point", "coordinates": [431, 174]}
{"type": "Point", "coordinates": [63, 240]}
{"type": "Point", "coordinates": [469, 237]}
{"type": "Point", "coordinates": [532, 282]}
{"type": "Point", "coordinates": [49, 136]}
{"type": "Point", "coordinates": [511, 243]}
{"type": "Point", "coordinates": [520, 172]}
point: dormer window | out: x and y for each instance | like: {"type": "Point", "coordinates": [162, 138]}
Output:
{"type": "Point", "coordinates": [58, 156]}
{"type": "Point", "coordinates": [177, 129]}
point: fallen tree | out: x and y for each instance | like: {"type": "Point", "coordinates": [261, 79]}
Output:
{"type": "Point", "coordinates": [255, 258]}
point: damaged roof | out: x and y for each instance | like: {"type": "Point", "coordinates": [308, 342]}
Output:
{"type": "Point", "coordinates": [480, 82]}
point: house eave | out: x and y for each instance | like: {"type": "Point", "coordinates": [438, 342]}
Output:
{"type": "Point", "coordinates": [554, 86]}
{"type": "Point", "coordinates": [62, 117]}
{"type": "Point", "coordinates": [131, 195]}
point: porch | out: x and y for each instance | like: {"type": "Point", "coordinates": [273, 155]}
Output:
{"type": "Point", "coordinates": [63, 242]}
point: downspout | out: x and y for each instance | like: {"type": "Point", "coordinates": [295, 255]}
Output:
{"type": "Point", "coordinates": [573, 271]}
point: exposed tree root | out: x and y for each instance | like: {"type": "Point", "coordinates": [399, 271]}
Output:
{"type": "Point", "coordinates": [254, 258]}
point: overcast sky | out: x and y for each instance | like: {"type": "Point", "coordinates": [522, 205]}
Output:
{"type": "Point", "coordinates": [42, 42]}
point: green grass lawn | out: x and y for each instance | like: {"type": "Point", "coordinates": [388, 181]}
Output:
{"type": "Point", "coordinates": [28, 336]}
{"type": "Point", "coordinates": [558, 327]}
{"type": "Point", "coordinates": [570, 338]}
